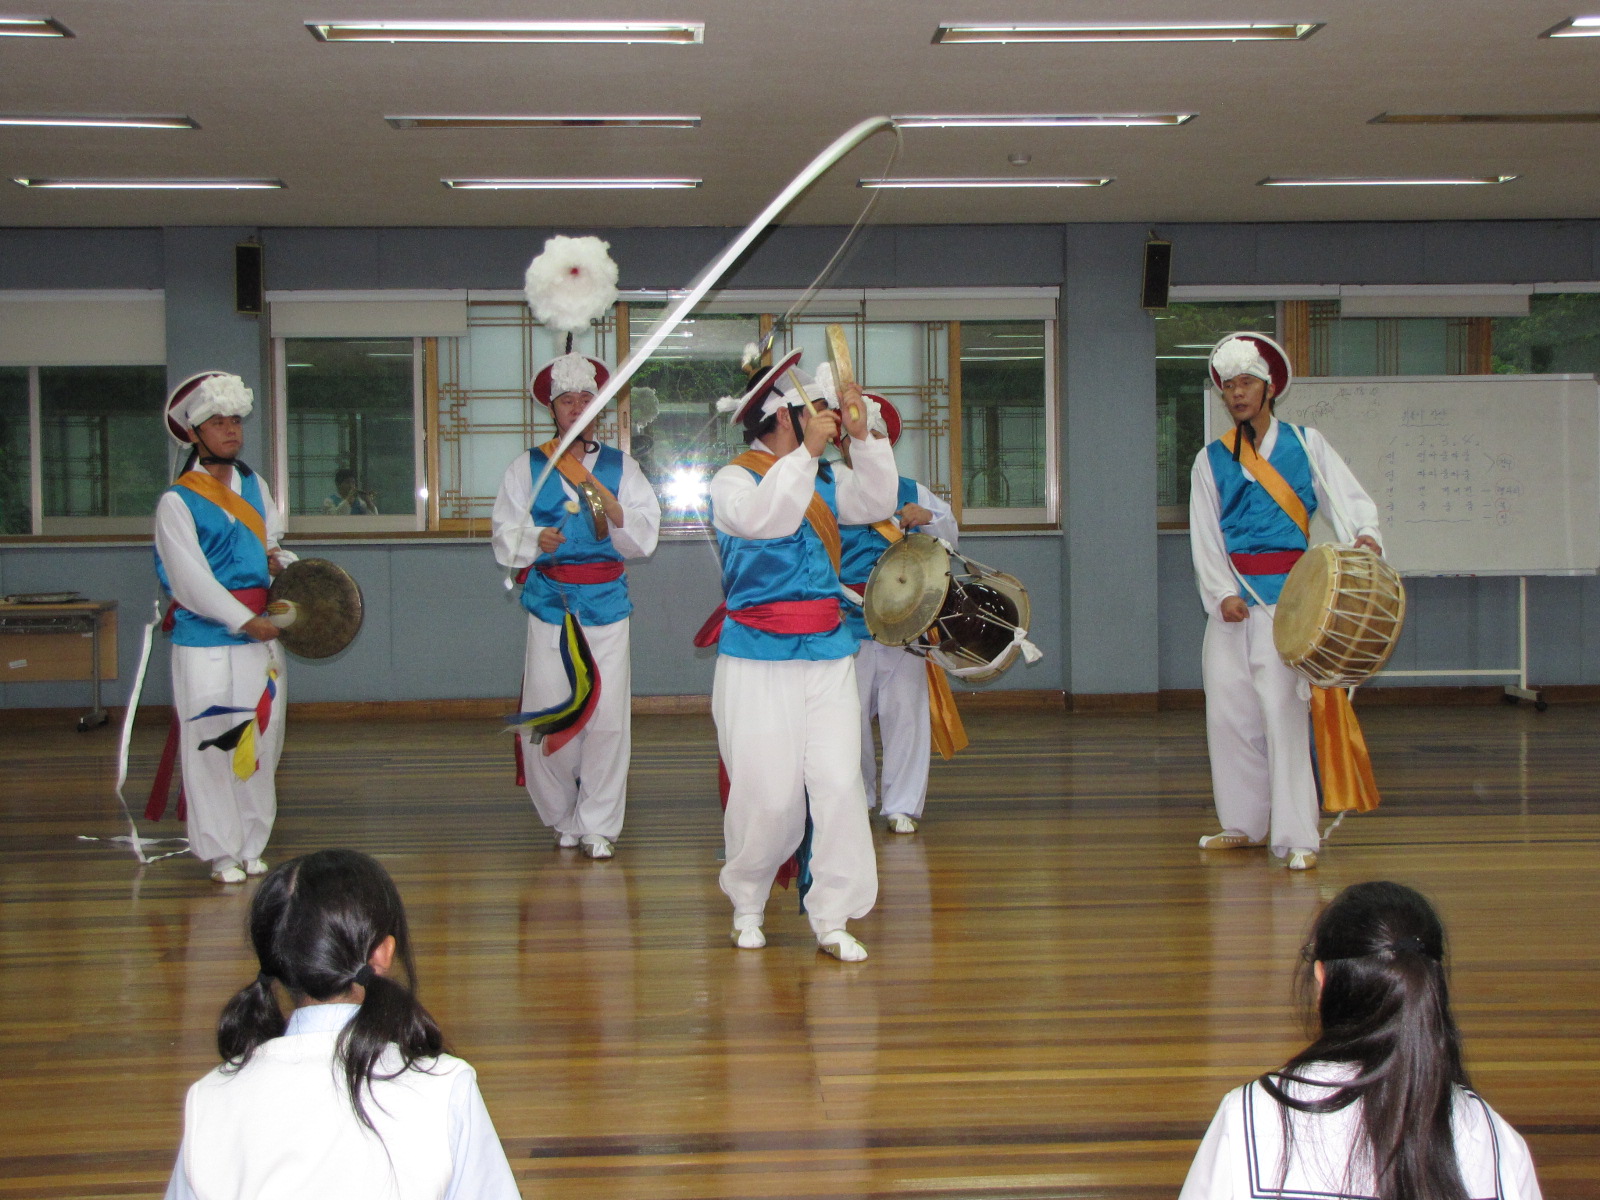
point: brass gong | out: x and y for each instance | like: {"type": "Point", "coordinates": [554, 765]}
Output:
{"type": "Point", "coordinates": [907, 589]}
{"type": "Point", "coordinates": [316, 606]}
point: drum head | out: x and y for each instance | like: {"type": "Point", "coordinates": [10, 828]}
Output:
{"type": "Point", "coordinates": [329, 604]}
{"type": "Point", "coordinates": [1303, 601]}
{"type": "Point", "coordinates": [907, 589]}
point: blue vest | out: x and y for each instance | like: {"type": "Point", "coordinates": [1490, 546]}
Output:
{"type": "Point", "coordinates": [591, 603]}
{"type": "Point", "coordinates": [1252, 521]}
{"type": "Point", "coordinates": [764, 570]}
{"type": "Point", "coordinates": [863, 547]}
{"type": "Point", "coordinates": [235, 555]}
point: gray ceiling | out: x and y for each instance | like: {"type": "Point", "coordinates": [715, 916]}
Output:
{"type": "Point", "coordinates": [775, 82]}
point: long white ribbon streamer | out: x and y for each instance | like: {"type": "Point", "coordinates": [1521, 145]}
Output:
{"type": "Point", "coordinates": [133, 839]}
{"type": "Point", "coordinates": [703, 283]}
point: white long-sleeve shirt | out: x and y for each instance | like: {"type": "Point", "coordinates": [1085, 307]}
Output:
{"type": "Point", "coordinates": [943, 526]}
{"type": "Point", "coordinates": [1212, 571]}
{"type": "Point", "coordinates": [516, 536]}
{"type": "Point", "coordinates": [188, 572]}
{"type": "Point", "coordinates": [774, 506]}
{"type": "Point", "coordinates": [282, 1126]}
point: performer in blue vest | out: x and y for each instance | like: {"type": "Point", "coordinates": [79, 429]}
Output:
{"type": "Point", "coordinates": [892, 682]}
{"type": "Point", "coordinates": [216, 546]}
{"type": "Point", "coordinates": [784, 697]}
{"type": "Point", "coordinates": [1249, 492]}
{"type": "Point", "coordinates": [580, 790]}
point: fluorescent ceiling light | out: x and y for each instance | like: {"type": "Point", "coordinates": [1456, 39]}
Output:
{"type": "Point", "coordinates": [1095, 181]}
{"type": "Point", "coordinates": [1096, 31]}
{"type": "Point", "coordinates": [997, 120]}
{"type": "Point", "coordinates": [1566, 118]}
{"type": "Point", "coordinates": [1420, 181]}
{"type": "Point", "coordinates": [1575, 27]}
{"type": "Point", "coordinates": [549, 122]}
{"type": "Point", "coordinates": [54, 120]}
{"type": "Point", "coordinates": [567, 184]}
{"type": "Point", "coordinates": [33, 27]}
{"type": "Point", "coordinates": [669, 32]}
{"type": "Point", "coordinates": [155, 184]}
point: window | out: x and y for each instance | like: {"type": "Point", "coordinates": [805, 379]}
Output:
{"type": "Point", "coordinates": [99, 461]}
{"type": "Point", "coordinates": [1559, 336]}
{"type": "Point", "coordinates": [402, 411]}
{"type": "Point", "coordinates": [349, 421]}
{"type": "Point", "coordinates": [16, 468]}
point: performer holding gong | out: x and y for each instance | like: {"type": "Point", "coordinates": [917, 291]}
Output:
{"type": "Point", "coordinates": [568, 544]}
{"type": "Point", "coordinates": [1253, 493]}
{"type": "Point", "coordinates": [784, 697]}
{"type": "Point", "coordinates": [216, 547]}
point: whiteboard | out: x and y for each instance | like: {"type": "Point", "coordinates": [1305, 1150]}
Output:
{"type": "Point", "coordinates": [1472, 474]}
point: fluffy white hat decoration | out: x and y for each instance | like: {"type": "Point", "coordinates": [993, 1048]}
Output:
{"type": "Point", "coordinates": [571, 283]}
{"type": "Point", "coordinates": [644, 403]}
{"type": "Point", "coordinates": [203, 396]}
{"type": "Point", "coordinates": [1237, 357]}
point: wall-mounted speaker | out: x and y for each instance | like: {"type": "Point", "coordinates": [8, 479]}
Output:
{"type": "Point", "coordinates": [1157, 273]}
{"type": "Point", "coordinates": [249, 288]}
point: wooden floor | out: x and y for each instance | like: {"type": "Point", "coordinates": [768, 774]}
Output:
{"type": "Point", "coordinates": [1061, 986]}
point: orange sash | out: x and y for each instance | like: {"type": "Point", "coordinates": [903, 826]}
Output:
{"type": "Point", "coordinates": [204, 483]}
{"type": "Point", "coordinates": [1268, 477]}
{"type": "Point", "coordinates": [949, 733]}
{"type": "Point", "coordinates": [571, 469]}
{"type": "Point", "coordinates": [823, 522]}
{"type": "Point", "coordinates": [1343, 764]}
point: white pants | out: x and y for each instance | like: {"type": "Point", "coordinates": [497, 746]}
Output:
{"type": "Point", "coordinates": [893, 686]}
{"type": "Point", "coordinates": [230, 819]}
{"type": "Point", "coordinates": [583, 787]}
{"type": "Point", "coordinates": [790, 732]}
{"type": "Point", "coordinates": [1258, 731]}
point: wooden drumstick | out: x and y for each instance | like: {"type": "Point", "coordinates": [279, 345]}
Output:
{"type": "Point", "coordinates": [810, 403]}
{"type": "Point", "coordinates": [844, 372]}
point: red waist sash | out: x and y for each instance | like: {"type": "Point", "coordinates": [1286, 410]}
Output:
{"type": "Point", "coordinates": [574, 572]}
{"type": "Point", "coordinates": [582, 572]}
{"type": "Point", "coordinates": [1273, 562]}
{"type": "Point", "coordinates": [255, 599]}
{"type": "Point", "coordinates": [780, 616]}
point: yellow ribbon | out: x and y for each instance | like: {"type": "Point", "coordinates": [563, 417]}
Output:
{"type": "Point", "coordinates": [1268, 477]}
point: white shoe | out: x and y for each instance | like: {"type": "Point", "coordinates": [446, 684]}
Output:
{"type": "Point", "coordinates": [901, 823]}
{"type": "Point", "coordinates": [229, 874]}
{"type": "Point", "coordinates": [566, 841]}
{"type": "Point", "coordinates": [747, 933]}
{"type": "Point", "coordinates": [596, 846]}
{"type": "Point", "coordinates": [1229, 839]}
{"type": "Point", "coordinates": [1302, 860]}
{"type": "Point", "coordinates": [256, 866]}
{"type": "Point", "coordinates": [842, 946]}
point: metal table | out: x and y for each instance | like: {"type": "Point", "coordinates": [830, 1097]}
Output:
{"type": "Point", "coordinates": [32, 647]}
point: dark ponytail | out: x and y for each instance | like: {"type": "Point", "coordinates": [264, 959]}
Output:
{"type": "Point", "coordinates": [314, 923]}
{"type": "Point", "coordinates": [1384, 1009]}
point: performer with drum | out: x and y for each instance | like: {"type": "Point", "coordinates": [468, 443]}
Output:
{"type": "Point", "coordinates": [580, 790]}
{"type": "Point", "coordinates": [784, 697]}
{"type": "Point", "coordinates": [216, 550]}
{"type": "Point", "coordinates": [892, 682]}
{"type": "Point", "coordinates": [1253, 493]}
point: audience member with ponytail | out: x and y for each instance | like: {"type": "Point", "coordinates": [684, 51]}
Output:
{"type": "Point", "coordinates": [1379, 1105]}
{"type": "Point", "coordinates": [352, 1095]}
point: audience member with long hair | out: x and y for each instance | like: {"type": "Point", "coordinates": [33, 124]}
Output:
{"type": "Point", "coordinates": [352, 1095]}
{"type": "Point", "coordinates": [1379, 1105]}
